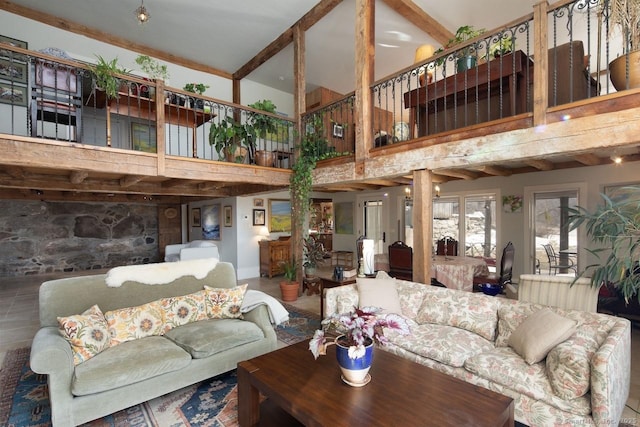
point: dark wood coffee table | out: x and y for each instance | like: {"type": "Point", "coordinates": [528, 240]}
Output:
{"type": "Point", "coordinates": [401, 393]}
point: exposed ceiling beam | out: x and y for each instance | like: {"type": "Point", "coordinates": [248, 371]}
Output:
{"type": "Point", "coordinates": [418, 17]}
{"type": "Point", "coordinates": [15, 172]}
{"type": "Point", "coordinates": [93, 33]}
{"type": "Point", "coordinates": [130, 180]}
{"type": "Point", "coordinates": [306, 22]}
{"type": "Point", "coordinates": [458, 173]}
{"type": "Point", "coordinates": [588, 159]}
{"type": "Point", "coordinates": [494, 170]}
{"type": "Point", "coordinates": [540, 164]}
{"type": "Point", "coordinates": [76, 177]}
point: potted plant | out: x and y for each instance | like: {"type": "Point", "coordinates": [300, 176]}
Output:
{"type": "Point", "coordinates": [313, 255]}
{"type": "Point", "coordinates": [290, 287]}
{"type": "Point", "coordinates": [356, 332]}
{"type": "Point", "coordinates": [228, 137]}
{"type": "Point", "coordinates": [105, 79]}
{"type": "Point", "coordinates": [502, 46]}
{"type": "Point", "coordinates": [615, 225]}
{"type": "Point", "coordinates": [198, 88]}
{"type": "Point", "coordinates": [154, 70]}
{"type": "Point", "coordinates": [263, 124]}
{"type": "Point", "coordinates": [625, 14]}
{"type": "Point", "coordinates": [467, 57]}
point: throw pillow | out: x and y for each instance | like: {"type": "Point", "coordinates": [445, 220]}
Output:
{"type": "Point", "coordinates": [225, 303]}
{"type": "Point", "coordinates": [133, 323]}
{"type": "Point", "coordinates": [87, 333]}
{"type": "Point", "coordinates": [184, 309]}
{"type": "Point", "coordinates": [539, 333]}
{"type": "Point", "coordinates": [380, 293]}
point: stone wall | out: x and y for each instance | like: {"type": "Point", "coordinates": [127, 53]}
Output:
{"type": "Point", "coordinates": [39, 237]}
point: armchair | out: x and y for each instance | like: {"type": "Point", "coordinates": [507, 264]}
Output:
{"type": "Point", "coordinates": [192, 250]}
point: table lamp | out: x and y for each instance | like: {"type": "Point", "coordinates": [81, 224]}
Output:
{"type": "Point", "coordinates": [424, 52]}
{"type": "Point", "coordinates": [368, 256]}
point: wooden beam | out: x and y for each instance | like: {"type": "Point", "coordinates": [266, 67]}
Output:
{"type": "Point", "coordinates": [458, 173]}
{"type": "Point", "coordinates": [494, 170]}
{"type": "Point", "coordinates": [307, 21]}
{"type": "Point", "coordinates": [130, 180]}
{"type": "Point", "coordinates": [77, 177]}
{"type": "Point", "coordinates": [99, 35]}
{"type": "Point", "coordinates": [422, 226]}
{"type": "Point", "coordinates": [540, 164]}
{"type": "Point", "coordinates": [588, 159]}
{"type": "Point", "coordinates": [364, 74]}
{"type": "Point", "coordinates": [418, 17]}
{"type": "Point", "coordinates": [15, 172]}
{"type": "Point", "coordinates": [540, 78]}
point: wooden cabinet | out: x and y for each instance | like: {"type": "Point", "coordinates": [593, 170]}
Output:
{"type": "Point", "coordinates": [272, 254]}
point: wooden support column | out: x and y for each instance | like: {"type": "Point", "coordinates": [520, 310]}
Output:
{"type": "Point", "coordinates": [541, 55]}
{"type": "Point", "coordinates": [299, 214]}
{"type": "Point", "coordinates": [160, 128]}
{"type": "Point", "coordinates": [235, 91]}
{"type": "Point", "coordinates": [365, 52]}
{"type": "Point", "coordinates": [422, 225]}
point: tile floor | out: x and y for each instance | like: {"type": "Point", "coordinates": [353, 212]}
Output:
{"type": "Point", "coordinates": [19, 322]}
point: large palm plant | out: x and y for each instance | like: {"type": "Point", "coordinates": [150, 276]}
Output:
{"type": "Point", "coordinates": [616, 226]}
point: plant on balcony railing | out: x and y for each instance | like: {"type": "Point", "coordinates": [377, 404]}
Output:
{"type": "Point", "coordinates": [231, 138]}
{"type": "Point", "coordinates": [153, 68]}
{"type": "Point", "coordinates": [467, 57]}
{"type": "Point", "coordinates": [105, 76]}
{"type": "Point", "coordinates": [625, 14]}
{"type": "Point", "coordinates": [263, 125]}
{"type": "Point", "coordinates": [198, 88]}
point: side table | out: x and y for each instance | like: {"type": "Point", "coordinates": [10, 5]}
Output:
{"type": "Point", "coordinates": [330, 282]}
{"type": "Point", "coordinates": [312, 285]}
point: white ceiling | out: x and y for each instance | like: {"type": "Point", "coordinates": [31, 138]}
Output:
{"type": "Point", "coordinates": [228, 34]}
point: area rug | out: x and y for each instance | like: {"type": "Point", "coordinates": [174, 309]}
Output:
{"type": "Point", "coordinates": [24, 398]}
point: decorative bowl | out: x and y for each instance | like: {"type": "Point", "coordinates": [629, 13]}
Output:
{"type": "Point", "coordinates": [491, 288]}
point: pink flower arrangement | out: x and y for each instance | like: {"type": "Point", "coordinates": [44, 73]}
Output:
{"type": "Point", "coordinates": [360, 327]}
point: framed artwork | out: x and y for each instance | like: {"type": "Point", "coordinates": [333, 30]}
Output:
{"type": "Point", "coordinates": [259, 217]}
{"type": "Point", "coordinates": [623, 192]}
{"type": "Point", "coordinates": [15, 43]}
{"type": "Point", "coordinates": [338, 131]}
{"type": "Point", "coordinates": [279, 215]}
{"type": "Point", "coordinates": [195, 217]}
{"type": "Point", "coordinates": [228, 221]}
{"type": "Point", "coordinates": [13, 94]}
{"type": "Point", "coordinates": [511, 203]}
{"type": "Point", "coordinates": [13, 71]}
{"type": "Point", "coordinates": [259, 203]}
{"type": "Point", "coordinates": [211, 222]}
{"type": "Point", "coordinates": [143, 137]}
{"type": "Point", "coordinates": [343, 213]}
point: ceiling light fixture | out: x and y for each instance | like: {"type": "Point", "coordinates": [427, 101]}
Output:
{"type": "Point", "coordinates": [616, 158]}
{"type": "Point", "coordinates": [141, 14]}
{"type": "Point", "coordinates": [437, 191]}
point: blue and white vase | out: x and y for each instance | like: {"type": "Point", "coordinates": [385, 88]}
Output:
{"type": "Point", "coordinates": [355, 372]}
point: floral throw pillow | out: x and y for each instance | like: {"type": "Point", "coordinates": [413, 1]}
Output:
{"type": "Point", "coordinates": [87, 333]}
{"type": "Point", "coordinates": [225, 303]}
{"type": "Point", "coordinates": [184, 309]}
{"type": "Point", "coordinates": [133, 323]}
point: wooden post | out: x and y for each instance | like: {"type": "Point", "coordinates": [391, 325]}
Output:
{"type": "Point", "coordinates": [422, 225]}
{"type": "Point", "coordinates": [365, 52]}
{"type": "Point", "coordinates": [160, 132]}
{"type": "Point", "coordinates": [541, 55]}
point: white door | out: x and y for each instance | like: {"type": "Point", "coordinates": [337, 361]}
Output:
{"type": "Point", "coordinates": [374, 221]}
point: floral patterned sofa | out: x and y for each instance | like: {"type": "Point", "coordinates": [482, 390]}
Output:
{"type": "Point", "coordinates": [582, 380]}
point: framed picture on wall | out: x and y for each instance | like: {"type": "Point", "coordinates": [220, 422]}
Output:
{"type": "Point", "coordinates": [259, 217]}
{"type": "Point", "coordinates": [227, 215]}
{"type": "Point", "coordinates": [143, 137]}
{"type": "Point", "coordinates": [13, 94]}
{"type": "Point", "coordinates": [279, 215]}
{"type": "Point", "coordinates": [15, 43]}
{"type": "Point", "coordinates": [211, 222]}
{"type": "Point", "coordinates": [195, 217]}
{"type": "Point", "coordinates": [13, 71]}
{"type": "Point", "coordinates": [258, 203]}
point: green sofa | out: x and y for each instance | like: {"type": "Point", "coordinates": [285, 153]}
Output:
{"type": "Point", "coordinates": [138, 370]}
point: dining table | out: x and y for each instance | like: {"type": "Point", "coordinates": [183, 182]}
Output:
{"type": "Point", "coordinates": [457, 272]}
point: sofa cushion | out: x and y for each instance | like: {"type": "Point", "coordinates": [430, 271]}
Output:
{"type": "Point", "coordinates": [122, 365]}
{"type": "Point", "coordinates": [504, 366]}
{"type": "Point", "coordinates": [539, 333]}
{"type": "Point", "coordinates": [184, 309]}
{"type": "Point", "coordinates": [510, 314]}
{"type": "Point", "coordinates": [87, 333]}
{"type": "Point", "coordinates": [225, 303]}
{"type": "Point", "coordinates": [473, 312]}
{"type": "Point", "coordinates": [445, 344]}
{"type": "Point", "coordinates": [380, 293]}
{"type": "Point", "coordinates": [137, 322]}
{"type": "Point", "coordinates": [207, 337]}
{"type": "Point", "coordinates": [346, 300]}
{"type": "Point", "coordinates": [569, 363]}
{"type": "Point", "coordinates": [411, 295]}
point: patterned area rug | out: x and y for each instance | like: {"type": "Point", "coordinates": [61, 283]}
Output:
{"type": "Point", "coordinates": [24, 398]}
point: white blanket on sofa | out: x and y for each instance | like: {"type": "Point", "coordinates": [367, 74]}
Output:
{"type": "Point", "coordinates": [160, 273]}
{"type": "Point", "coordinates": [277, 313]}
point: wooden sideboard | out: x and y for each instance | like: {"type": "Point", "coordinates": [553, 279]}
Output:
{"type": "Point", "coordinates": [273, 253]}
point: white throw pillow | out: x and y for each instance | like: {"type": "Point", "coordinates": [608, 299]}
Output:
{"type": "Point", "coordinates": [379, 293]}
{"type": "Point", "coordinates": [539, 333]}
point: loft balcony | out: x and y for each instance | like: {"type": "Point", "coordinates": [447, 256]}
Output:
{"type": "Point", "coordinates": [546, 102]}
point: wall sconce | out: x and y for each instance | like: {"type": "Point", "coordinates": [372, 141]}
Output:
{"type": "Point", "coordinates": [407, 193]}
{"type": "Point", "coordinates": [141, 14]}
{"type": "Point", "coordinates": [436, 189]}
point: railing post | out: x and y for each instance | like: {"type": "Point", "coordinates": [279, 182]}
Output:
{"type": "Point", "coordinates": [160, 131]}
{"type": "Point", "coordinates": [540, 74]}
{"type": "Point", "coordinates": [365, 51]}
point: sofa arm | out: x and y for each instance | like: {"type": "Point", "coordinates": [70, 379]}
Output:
{"type": "Point", "coordinates": [340, 299]}
{"type": "Point", "coordinates": [610, 372]}
{"type": "Point", "coordinates": [51, 355]}
{"type": "Point", "coordinates": [260, 316]}
{"type": "Point", "coordinates": [199, 253]}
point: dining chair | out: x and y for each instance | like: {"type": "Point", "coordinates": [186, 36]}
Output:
{"type": "Point", "coordinates": [401, 261]}
{"type": "Point", "coordinates": [447, 246]}
{"type": "Point", "coordinates": [506, 268]}
{"type": "Point", "coordinates": [555, 263]}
